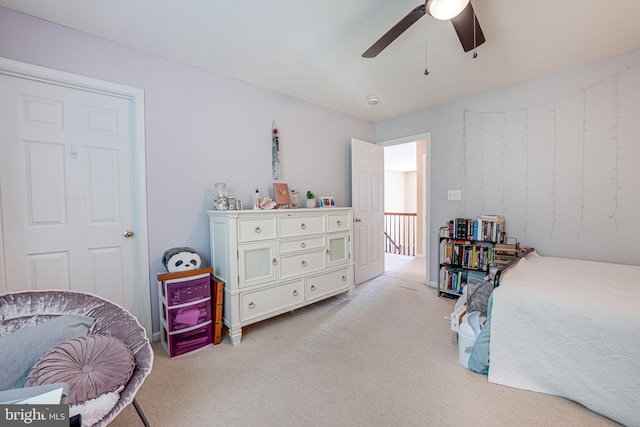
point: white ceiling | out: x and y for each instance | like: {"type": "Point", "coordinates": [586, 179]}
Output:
{"type": "Point", "coordinates": [400, 157]}
{"type": "Point", "coordinates": [311, 49]}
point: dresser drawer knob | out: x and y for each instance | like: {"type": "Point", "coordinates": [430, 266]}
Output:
{"type": "Point", "coordinates": [339, 222]}
{"type": "Point", "coordinates": [313, 287]}
{"type": "Point", "coordinates": [295, 292]}
{"type": "Point", "coordinates": [258, 229]}
{"type": "Point", "coordinates": [275, 261]}
{"type": "Point", "coordinates": [304, 245]}
{"type": "Point", "coordinates": [344, 278]}
{"type": "Point", "coordinates": [252, 305]}
{"type": "Point", "coordinates": [328, 252]}
{"type": "Point", "coordinates": [304, 263]}
{"type": "Point", "coordinates": [303, 225]}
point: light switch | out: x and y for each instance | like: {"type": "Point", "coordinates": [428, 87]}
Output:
{"type": "Point", "coordinates": [454, 195]}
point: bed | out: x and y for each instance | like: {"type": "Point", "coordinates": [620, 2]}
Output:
{"type": "Point", "coordinates": [566, 327]}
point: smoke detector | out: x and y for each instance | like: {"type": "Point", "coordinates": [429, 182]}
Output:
{"type": "Point", "coordinates": [373, 100]}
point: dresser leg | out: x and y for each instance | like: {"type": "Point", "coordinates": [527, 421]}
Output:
{"type": "Point", "coordinates": [235, 335]}
{"type": "Point", "coordinates": [351, 293]}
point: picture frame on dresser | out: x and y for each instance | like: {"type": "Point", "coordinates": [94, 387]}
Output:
{"type": "Point", "coordinates": [281, 193]}
{"type": "Point", "coordinates": [326, 201]}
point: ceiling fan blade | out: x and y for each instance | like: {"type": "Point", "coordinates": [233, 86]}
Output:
{"type": "Point", "coordinates": [394, 32]}
{"type": "Point", "coordinates": [463, 24]}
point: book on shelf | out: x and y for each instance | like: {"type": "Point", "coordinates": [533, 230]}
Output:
{"type": "Point", "coordinates": [503, 247]}
{"type": "Point", "coordinates": [495, 226]}
{"type": "Point", "coordinates": [493, 218]}
{"type": "Point", "coordinates": [502, 261]}
{"type": "Point", "coordinates": [488, 228]}
{"type": "Point", "coordinates": [455, 279]}
{"type": "Point", "coordinates": [504, 253]}
{"type": "Point", "coordinates": [460, 228]}
{"type": "Point", "coordinates": [470, 248]}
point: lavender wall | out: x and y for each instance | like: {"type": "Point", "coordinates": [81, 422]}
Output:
{"type": "Point", "coordinates": [557, 156]}
{"type": "Point", "coordinates": [201, 128]}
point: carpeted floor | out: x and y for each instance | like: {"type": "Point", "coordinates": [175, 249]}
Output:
{"type": "Point", "coordinates": [386, 358]}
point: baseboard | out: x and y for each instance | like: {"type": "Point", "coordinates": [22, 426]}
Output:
{"type": "Point", "coordinates": [433, 284]}
{"type": "Point", "coordinates": [155, 337]}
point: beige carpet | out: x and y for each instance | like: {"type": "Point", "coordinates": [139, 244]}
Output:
{"type": "Point", "coordinates": [386, 358]}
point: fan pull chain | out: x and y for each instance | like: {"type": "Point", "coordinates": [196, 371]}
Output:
{"type": "Point", "coordinates": [475, 45]}
{"type": "Point", "coordinates": [426, 48]}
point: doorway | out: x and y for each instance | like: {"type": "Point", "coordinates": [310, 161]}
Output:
{"type": "Point", "coordinates": [406, 206]}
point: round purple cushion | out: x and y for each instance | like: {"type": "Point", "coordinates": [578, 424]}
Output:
{"type": "Point", "coordinates": [92, 365]}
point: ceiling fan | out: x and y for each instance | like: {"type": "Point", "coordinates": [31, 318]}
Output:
{"type": "Point", "coordinates": [460, 12]}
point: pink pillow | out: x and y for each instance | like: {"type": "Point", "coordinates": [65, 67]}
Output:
{"type": "Point", "coordinates": [92, 365]}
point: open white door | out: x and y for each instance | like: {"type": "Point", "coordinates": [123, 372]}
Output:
{"type": "Point", "coordinates": [367, 193]}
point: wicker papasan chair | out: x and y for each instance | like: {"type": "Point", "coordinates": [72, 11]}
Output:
{"type": "Point", "coordinates": [19, 310]}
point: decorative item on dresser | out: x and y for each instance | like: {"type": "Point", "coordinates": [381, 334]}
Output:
{"type": "Point", "coordinates": [281, 191]}
{"type": "Point", "coordinates": [326, 202]}
{"type": "Point", "coordinates": [311, 199]}
{"type": "Point", "coordinates": [276, 261]}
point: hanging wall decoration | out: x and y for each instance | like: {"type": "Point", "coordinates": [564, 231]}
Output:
{"type": "Point", "coordinates": [275, 151]}
{"type": "Point", "coordinates": [548, 126]}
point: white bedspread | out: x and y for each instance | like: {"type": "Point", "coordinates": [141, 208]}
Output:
{"type": "Point", "coordinates": [570, 328]}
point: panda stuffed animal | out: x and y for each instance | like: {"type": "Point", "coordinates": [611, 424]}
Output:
{"type": "Point", "coordinates": [181, 259]}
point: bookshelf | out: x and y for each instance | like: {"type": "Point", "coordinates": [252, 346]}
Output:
{"type": "Point", "coordinates": [466, 250]}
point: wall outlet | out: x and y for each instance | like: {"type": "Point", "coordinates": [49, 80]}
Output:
{"type": "Point", "coordinates": [454, 195]}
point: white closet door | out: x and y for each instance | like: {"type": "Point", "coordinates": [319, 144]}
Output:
{"type": "Point", "coordinates": [65, 189]}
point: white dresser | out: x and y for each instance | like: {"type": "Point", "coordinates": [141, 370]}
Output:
{"type": "Point", "coordinates": [274, 261]}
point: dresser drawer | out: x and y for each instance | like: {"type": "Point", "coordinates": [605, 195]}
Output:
{"type": "Point", "coordinates": [313, 242]}
{"type": "Point", "coordinates": [184, 342]}
{"type": "Point", "coordinates": [256, 229]}
{"type": "Point", "coordinates": [295, 265]}
{"type": "Point", "coordinates": [338, 222]}
{"type": "Point", "coordinates": [317, 287]}
{"type": "Point", "coordinates": [185, 291]}
{"type": "Point", "coordinates": [266, 301]}
{"type": "Point", "coordinates": [189, 316]}
{"type": "Point", "coordinates": [300, 226]}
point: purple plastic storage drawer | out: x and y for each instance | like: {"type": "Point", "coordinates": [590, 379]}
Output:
{"type": "Point", "coordinates": [187, 291]}
{"type": "Point", "coordinates": [188, 341]}
{"type": "Point", "coordinates": [186, 317]}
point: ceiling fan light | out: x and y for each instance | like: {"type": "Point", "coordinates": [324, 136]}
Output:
{"type": "Point", "coordinates": [446, 9]}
